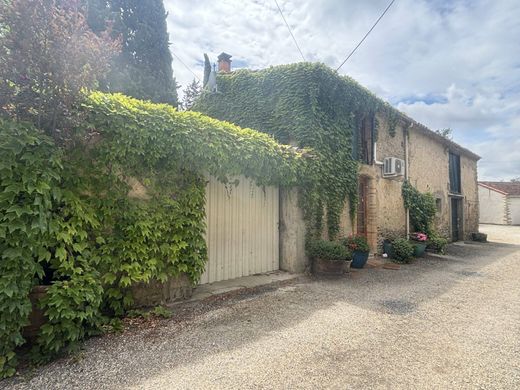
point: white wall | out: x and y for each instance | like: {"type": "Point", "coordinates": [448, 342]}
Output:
{"type": "Point", "coordinates": [492, 206]}
{"type": "Point", "coordinates": [514, 210]}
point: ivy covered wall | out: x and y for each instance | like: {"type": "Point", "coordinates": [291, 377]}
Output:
{"type": "Point", "coordinates": [66, 219]}
{"type": "Point", "coordinates": [308, 105]}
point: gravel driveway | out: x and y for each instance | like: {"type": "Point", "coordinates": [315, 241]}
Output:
{"type": "Point", "coordinates": [440, 323]}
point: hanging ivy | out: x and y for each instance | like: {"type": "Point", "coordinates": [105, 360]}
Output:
{"type": "Point", "coordinates": [66, 217]}
{"type": "Point", "coordinates": [308, 105]}
{"type": "Point", "coordinates": [421, 207]}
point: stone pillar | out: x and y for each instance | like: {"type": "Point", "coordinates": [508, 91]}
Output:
{"type": "Point", "coordinates": [292, 233]}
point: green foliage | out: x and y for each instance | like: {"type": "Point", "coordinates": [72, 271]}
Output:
{"type": "Point", "coordinates": [29, 187]}
{"type": "Point", "coordinates": [356, 243]}
{"type": "Point", "coordinates": [328, 250]}
{"type": "Point", "coordinates": [144, 67]}
{"type": "Point", "coordinates": [437, 243]}
{"type": "Point", "coordinates": [66, 215]}
{"type": "Point", "coordinates": [402, 250]}
{"type": "Point", "coordinates": [422, 208]}
{"type": "Point", "coordinates": [48, 55]}
{"type": "Point", "coordinates": [191, 94]}
{"type": "Point", "coordinates": [308, 105]}
{"type": "Point", "coordinates": [157, 311]}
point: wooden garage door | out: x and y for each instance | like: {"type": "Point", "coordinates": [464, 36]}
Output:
{"type": "Point", "coordinates": [242, 230]}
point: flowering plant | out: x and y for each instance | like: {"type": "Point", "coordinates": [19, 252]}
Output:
{"type": "Point", "coordinates": [418, 236]}
{"type": "Point", "coordinates": [356, 243]}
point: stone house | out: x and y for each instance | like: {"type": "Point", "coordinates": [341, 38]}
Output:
{"type": "Point", "coordinates": [390, 147]}
{"type": "Point", "coordinates": [499, 202]}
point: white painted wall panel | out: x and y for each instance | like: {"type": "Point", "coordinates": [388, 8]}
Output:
{"type": "Point", "coordinates": [242, 230]}
{"type": "Point", "coordinates": [514, 210]}
{"type": "Point", "coordinates": [492, 206]}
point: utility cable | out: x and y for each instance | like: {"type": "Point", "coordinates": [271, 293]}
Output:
{"type": "Point", "coordinates": [366, 35]}
{"type": "Point", "coordinates": [290, 31]}
{"type": "Point", "coordinates": [186, 66]}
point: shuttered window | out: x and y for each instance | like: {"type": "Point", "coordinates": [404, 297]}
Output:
{"type": "Point", "coordinates": [455, 186]}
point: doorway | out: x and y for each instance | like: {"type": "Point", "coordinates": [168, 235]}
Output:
{"type": "Point", "coordinates": [456, 219]}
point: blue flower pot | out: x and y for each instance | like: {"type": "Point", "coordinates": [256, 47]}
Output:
{"type": "Point", "coordinates": [359, 259]}
{"type": "Point", "coordinates": [419, 249]}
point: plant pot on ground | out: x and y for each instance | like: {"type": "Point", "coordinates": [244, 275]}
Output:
{"type": "Point", "coordinates": [419, 241]}
{"type": "Point", "coordinates": [358, 246]}
{"type": "Point", "coordinates": [329, 258]}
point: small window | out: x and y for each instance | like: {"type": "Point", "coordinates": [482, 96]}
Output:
{"type": "Point", "coordinates": [438, 204]}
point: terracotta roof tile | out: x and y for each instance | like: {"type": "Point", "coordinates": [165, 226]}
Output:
{"type": "Point", "coordinates": [510, 188]}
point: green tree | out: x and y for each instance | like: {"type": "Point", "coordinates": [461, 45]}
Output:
{"type": "Point", "coordinates": [143, 69]}
{"type": "Point", "coordinates": [191, 93]}
{"type": "Point", "coordinates": [48, 55]}
{"type": "Point", "coordinates": [446, 133]}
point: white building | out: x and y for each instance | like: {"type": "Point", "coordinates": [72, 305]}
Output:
{"type": "Point", "coordinates": [499, 202]}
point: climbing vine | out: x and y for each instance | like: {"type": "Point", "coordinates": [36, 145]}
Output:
{"type": "Point", "coordinates": [308, 105]}
{"type": "Point", "coordinates": [68, 217]}
{"type": "Point", "coordinates": [421, 206]}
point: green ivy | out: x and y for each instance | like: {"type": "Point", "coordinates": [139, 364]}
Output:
{"type": "Point", "coordinates": [66, 214]}
{"type": "Point", "coordinates": [311, 106]}
{"type": "Point", "coordinates": [421, 207]}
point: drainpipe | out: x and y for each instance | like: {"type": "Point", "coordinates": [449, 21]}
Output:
{"type": "Point", "coordinates": [406, 175]}
{"type": "Point", "coordinates": [375, 156]}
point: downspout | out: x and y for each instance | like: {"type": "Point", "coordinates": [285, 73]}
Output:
{"type": "Point", "coordinates": [406, 132]}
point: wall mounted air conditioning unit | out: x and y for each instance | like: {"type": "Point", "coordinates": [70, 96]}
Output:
{"type": "Point", "coordinates": [393, 166]}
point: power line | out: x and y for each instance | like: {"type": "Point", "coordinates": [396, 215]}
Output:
{"type": "Point", "coordinates": [290, 31]}
{"type": "Point", "coordinates": [366, 35]}
{"type": "Point", "coordinates": [186, 66]}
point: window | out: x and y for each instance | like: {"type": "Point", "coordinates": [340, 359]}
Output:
{"type": "Point", "coordinates": [438, 204]}
{"type": "Point", "coordinates": [367, 139]}
{"type": "Point", "coordinates": [454, 167]}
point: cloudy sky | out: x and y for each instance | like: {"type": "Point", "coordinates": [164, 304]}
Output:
{"type": "Point", "coordinates": [445, 63]}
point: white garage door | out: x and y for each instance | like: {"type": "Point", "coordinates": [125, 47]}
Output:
{"type": "Point", "coordinates": [242, 230]}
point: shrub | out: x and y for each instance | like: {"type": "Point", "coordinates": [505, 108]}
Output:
{"type": "Point", "coordinates": [403, 250]}
{"type": "Point", "coordinates": [328, 250]}
{"type": "Point", "coordinates": [356, 243]}
{"type": "Point", "coordinates": [437, 243]}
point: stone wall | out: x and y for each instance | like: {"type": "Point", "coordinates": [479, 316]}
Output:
{"type": "Point", "coordinates": [156, 293]}
{"type": "Point", "coordinates": [292, 233]}
{"type": "Point", "coordinates": [468, 171]}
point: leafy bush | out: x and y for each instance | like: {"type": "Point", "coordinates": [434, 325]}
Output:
{"type": "Point", "coordinates": [403, 250]}
{"type": "Point", "coordinates": [421, 206]}
{"type": "Point", "coordinates": [356, 243]}
{"type": "Point", "coordinates": [328, 250]}
{"type": "Point", "coordinates": [437, 243]}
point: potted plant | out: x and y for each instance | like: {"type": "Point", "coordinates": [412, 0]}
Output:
{"type": "Point", "coordinates": [403, 250]}
{"type": "Point", "coordinates": [358, 246]}
{"type": "Point", "coordinates": [329, 258]}
{"type": "Point", "coordinates": [419, 241]}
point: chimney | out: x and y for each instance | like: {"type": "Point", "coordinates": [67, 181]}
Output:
{"type": "Point", "coordinates": [224, 63]}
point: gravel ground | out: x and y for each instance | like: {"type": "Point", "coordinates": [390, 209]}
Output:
{"type": "Point", "coordinates": [502, 233]}
{"type": "Point", "coordinates": [450, 322]}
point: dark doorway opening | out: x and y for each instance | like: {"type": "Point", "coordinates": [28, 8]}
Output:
{"type": "Point", "coordinates": [456, 219]}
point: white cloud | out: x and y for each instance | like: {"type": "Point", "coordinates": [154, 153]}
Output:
{"type": "Point", "coordinates": [446, 63]}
